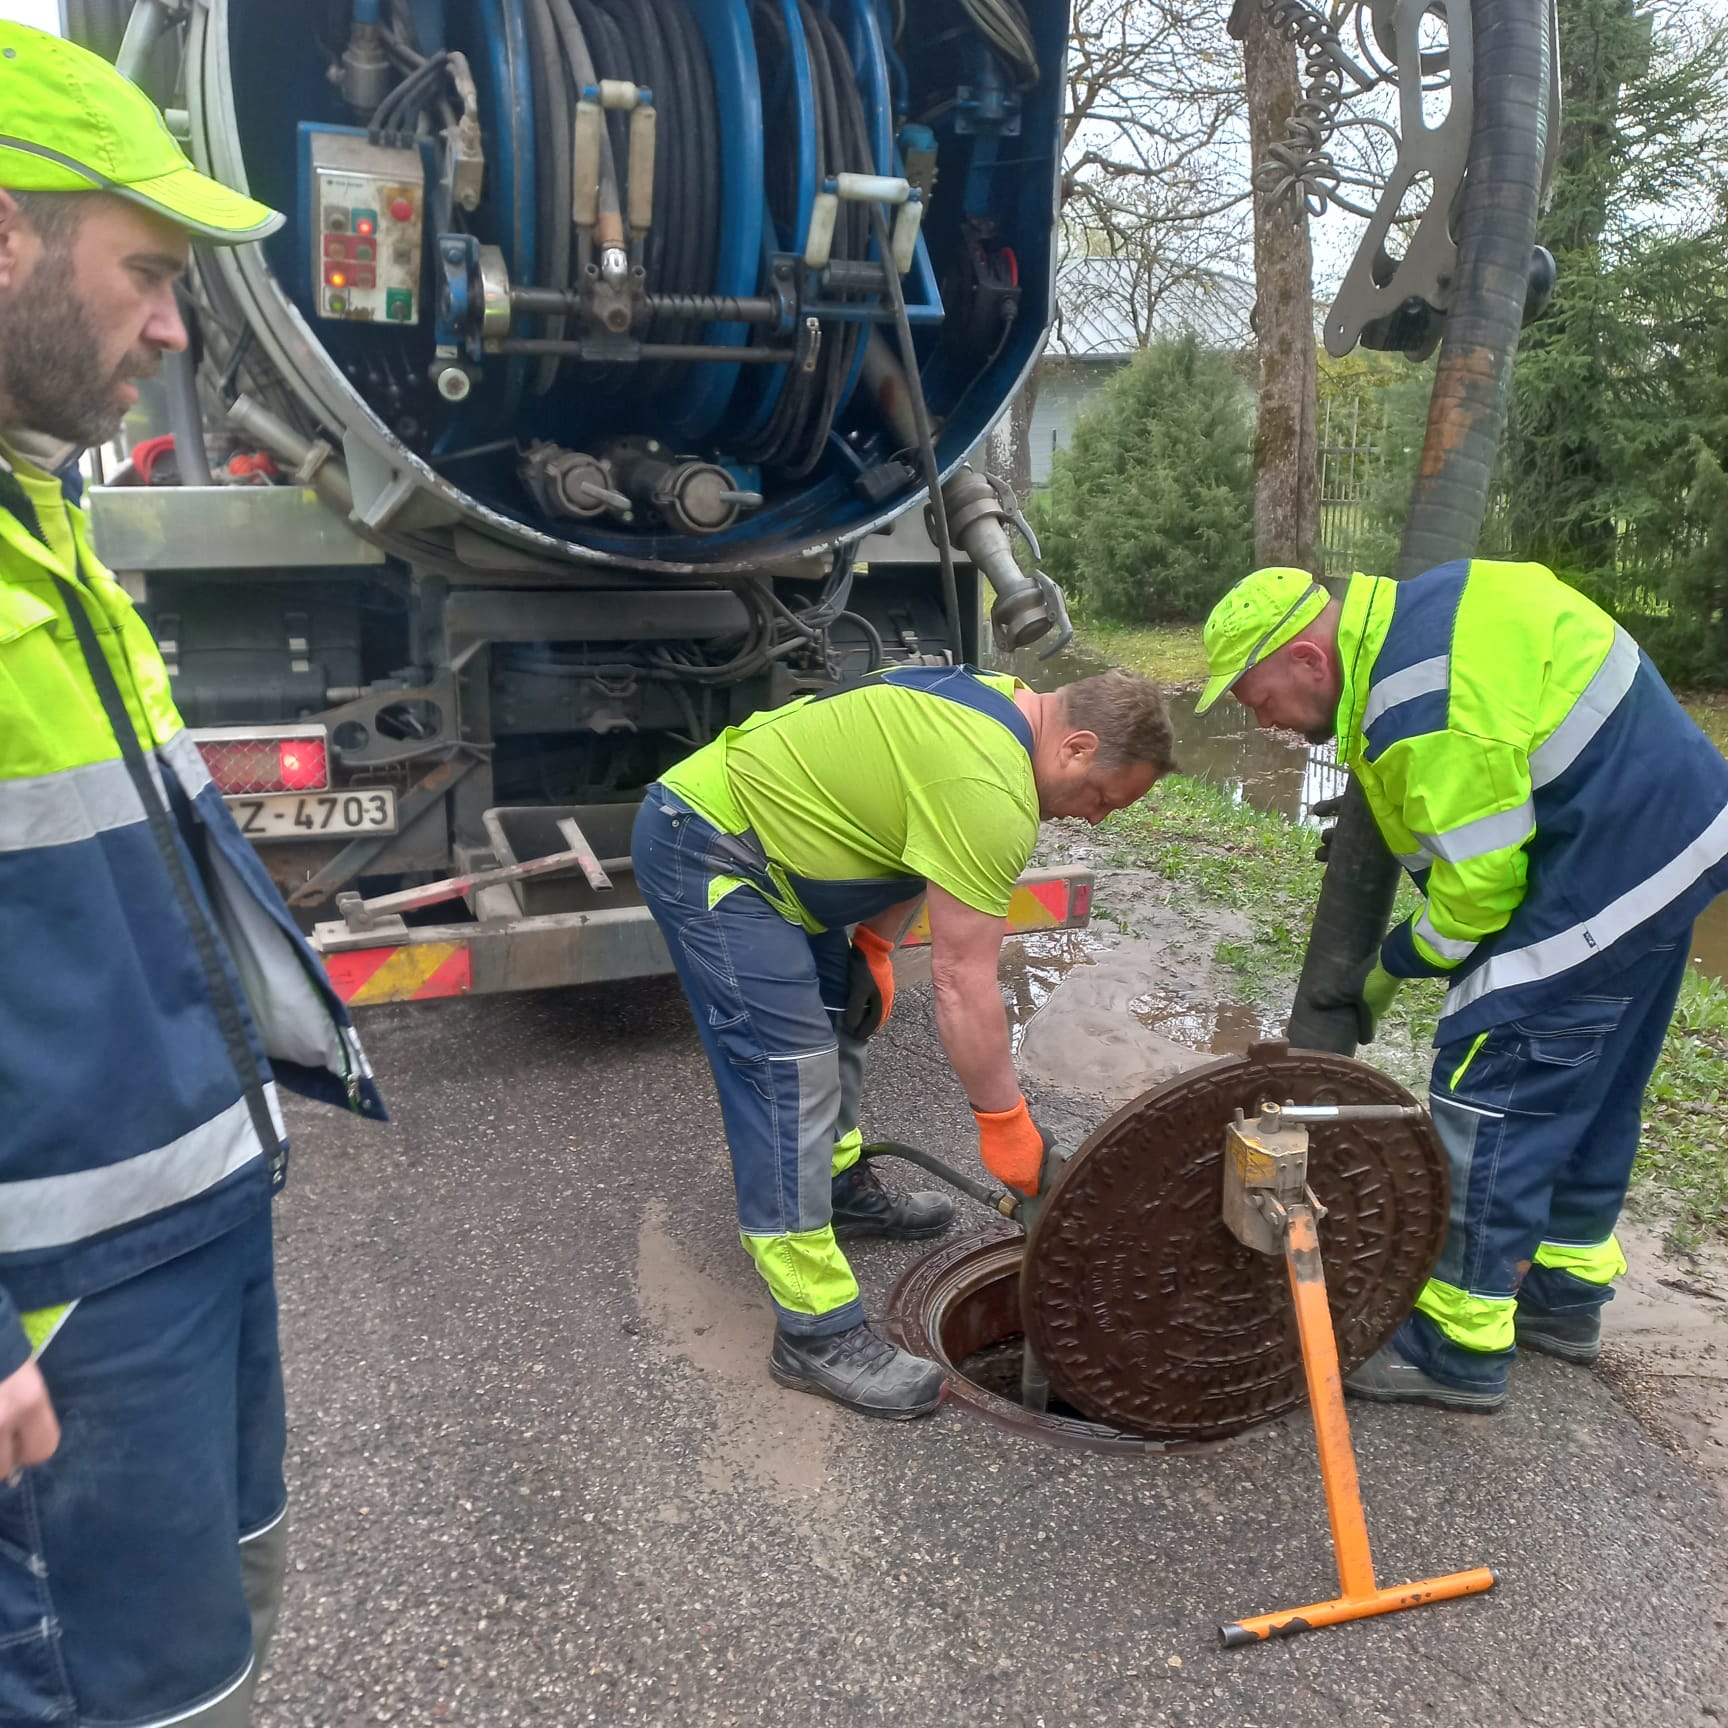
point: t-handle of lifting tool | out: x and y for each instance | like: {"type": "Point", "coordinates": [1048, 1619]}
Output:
{"type": "Point", "coordinates": [1269, 1206]}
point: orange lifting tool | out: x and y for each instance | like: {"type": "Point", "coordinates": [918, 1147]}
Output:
{"type": "Point", "coordinates": [1268, 1206]}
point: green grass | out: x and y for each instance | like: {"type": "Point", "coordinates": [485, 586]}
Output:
{"type": "Point", "coordinates": [1685, 1146]}
{"type": "Point", "coordinates": [1709, 710]}
{"type": "Point", "coordinates": [1219, 853]}
{"type": "Point", "coordinates": [1171, 654]}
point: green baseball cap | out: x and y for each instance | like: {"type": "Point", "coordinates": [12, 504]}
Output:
{"type": "Point", "coordinates": [70, 123]}
{"type": "Point", "coordinates": [1255, 619]}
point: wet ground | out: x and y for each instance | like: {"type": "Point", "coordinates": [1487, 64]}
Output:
{"type": "Point", "coordinates": [1104, 1015]}
{"type": "Point", "coordinates": [540, 1475]}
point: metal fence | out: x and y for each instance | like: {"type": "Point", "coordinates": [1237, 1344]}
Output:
{"type": "Point", "coordinates": [1352, 450]}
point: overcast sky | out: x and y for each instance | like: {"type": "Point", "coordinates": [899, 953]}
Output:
{"type": "Point", "coordinates": [44, 14]}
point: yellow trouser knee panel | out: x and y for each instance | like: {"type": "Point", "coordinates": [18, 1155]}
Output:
{"type": "Point", "coordinates": [805, 1271]}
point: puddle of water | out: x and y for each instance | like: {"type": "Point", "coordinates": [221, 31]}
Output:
{"type": "Point", "coordinates": [1032, 969]}
{"type": "Point", "coordinates": [1221, 1028]}
{"type": "Point", "coordinates": [1710, 940]}
{"type": "Point", "coordinates": [1277, 771]}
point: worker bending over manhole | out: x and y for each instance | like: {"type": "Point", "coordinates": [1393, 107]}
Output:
{"type": "Point", "coordinates": [783, 861]}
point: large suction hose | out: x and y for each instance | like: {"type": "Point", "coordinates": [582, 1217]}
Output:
{"type": "Point", "coordinates": [1497, 233]}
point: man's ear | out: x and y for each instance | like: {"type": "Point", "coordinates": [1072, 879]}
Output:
{"type": "Point", "coordinates": [14, 241]}
{"type": "Point", "coordinates": [1078, 749]}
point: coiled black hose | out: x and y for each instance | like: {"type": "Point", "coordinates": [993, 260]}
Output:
{"type": "Point", "coordinates": [796, 435]}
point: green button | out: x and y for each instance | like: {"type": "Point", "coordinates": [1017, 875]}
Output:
{"type": "Point", "coordinates": [338, 303]}
{"type": "Point", "coordinates": [399, 304]}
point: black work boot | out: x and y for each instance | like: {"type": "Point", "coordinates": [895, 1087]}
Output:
{"type": "Point", "coordinates": [1574, 1337]}
{"type": "Point", "coordinates": [863, 1207]}
{"type": "Point", "coordinates": [860, 1370]}
{"type": "Point", "coordinates": [1388, 1377]}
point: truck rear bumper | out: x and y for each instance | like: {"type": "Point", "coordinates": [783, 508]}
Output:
{"type": "Point", "coordinates": [403, 964]}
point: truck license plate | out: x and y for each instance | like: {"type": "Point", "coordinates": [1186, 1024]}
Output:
{"type": "Point", "coordinates": [310, 815]}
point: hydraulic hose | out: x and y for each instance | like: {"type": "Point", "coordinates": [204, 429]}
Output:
{"type": "Point", "coordinates": [554, 124]}
{"type": "Point", "coordinates": [926, 440]}
{"type": "Point", "coordinates": [1497, 233]}
{"type": "Point", "coordinates": [997, 1199]}
{"type": "Point", "coordinates": [185, 418]}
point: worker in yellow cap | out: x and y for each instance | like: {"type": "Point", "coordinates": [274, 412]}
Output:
{"type": "Point", "coordinates": [153, 992]}
{"type": "Point", "coordinates": [1565, 823]}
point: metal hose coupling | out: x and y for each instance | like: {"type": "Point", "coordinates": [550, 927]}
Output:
{"type": "Point", "coordinates": [981, 511]}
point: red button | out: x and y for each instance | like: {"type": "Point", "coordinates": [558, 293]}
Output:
{"type": "Point", "coordinates": [365, 276]}
{"type": "Point", "coordinates": [401, 209]}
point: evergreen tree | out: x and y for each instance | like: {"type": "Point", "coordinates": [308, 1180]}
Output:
{"type": "Point", "coordinates": [1615, 416]}
{"type": "Point", "coordinates": [1149, 516]}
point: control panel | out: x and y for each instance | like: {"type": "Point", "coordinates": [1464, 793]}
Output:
{"type": "Point", "coordinates": [365, 224]}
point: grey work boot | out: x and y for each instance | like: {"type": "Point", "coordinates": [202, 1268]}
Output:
{"type": "Point", "coordinates": [860, 1370]}
{"type": "Point", "coordinates": [1574, 1337]}
{"type": "Point", "coordinates": [1388, 1378]}
{"type": "Point", "coordinates": [863, 1207]}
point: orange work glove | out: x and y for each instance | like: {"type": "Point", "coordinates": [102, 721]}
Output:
{"type": "Point", "coordinates": [870, 995]}
{"type": "Point", "coordinates": [1012, 1146]}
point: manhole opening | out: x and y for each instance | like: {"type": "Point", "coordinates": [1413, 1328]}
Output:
{"type": "Point", "coordinates": [960, 1305]}
{"type": "Point", "coordinates": [998, 1367]}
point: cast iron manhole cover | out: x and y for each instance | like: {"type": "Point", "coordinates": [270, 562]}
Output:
{"type": "Point", "coordinates": [1149, 1315]}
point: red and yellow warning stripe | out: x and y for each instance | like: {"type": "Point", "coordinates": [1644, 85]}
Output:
{"type": "Point", "coordinates": [1044, 905]}
{"type": "Point", "coordinates": [415, 972]}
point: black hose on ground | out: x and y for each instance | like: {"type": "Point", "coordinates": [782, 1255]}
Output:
{"type": "Point", "coordinates": [1496, 236]}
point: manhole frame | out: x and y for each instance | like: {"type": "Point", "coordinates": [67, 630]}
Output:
{"type": "Point", "coordinates": [958, 1270]}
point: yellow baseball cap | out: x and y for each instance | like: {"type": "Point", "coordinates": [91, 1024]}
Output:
{"type": "Point", "coordinates": [1255, 619]}
{"type": "Point", "coordinates": [70, 123]}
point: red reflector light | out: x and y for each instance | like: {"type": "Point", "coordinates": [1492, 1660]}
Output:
{"type": "Point", "coordinates": [243, 767]}
{"type": "Point", "coordinates": [304, 764]}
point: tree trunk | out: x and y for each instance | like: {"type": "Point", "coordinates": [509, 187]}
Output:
{"type": "Point", "coordinates": [1286, 442]}
{"type": "Point", "coordinates": [1010, 452]}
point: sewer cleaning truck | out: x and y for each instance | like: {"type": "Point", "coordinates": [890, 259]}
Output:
{"type": "Point", "coordinates": [583, 404]}
{"type": "Point", "coordinates": [620, 368]}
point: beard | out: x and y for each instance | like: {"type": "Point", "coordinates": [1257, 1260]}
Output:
{"type": "Point", "coordinates": [52, 377]}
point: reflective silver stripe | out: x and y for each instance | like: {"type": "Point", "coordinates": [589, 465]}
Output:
{"type": "Point", "coordinates": [1598, 699]}
{"type": "Point", "coordinates": [1486, 834]}
{"type": "Point", "coordinates": [1414, 860]}
{"type": "Point", "coordinates": [52, 1211]}
{"type": "Point", "coordinates": [1422, 679]}
{"type": "Point", "coordinates": [1447, 947]}
{"type": "Point", "coordinates": [1572, 947]}
{"type": "Point", "coordinates": [96, 798]}
{"type": "Point", "coordinates": [187, 761]}
{"type": "Point", "coordinates": [62, 809]}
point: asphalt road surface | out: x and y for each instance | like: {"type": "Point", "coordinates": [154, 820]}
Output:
{"type": "Point", "coordinates": [540, 1474]}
